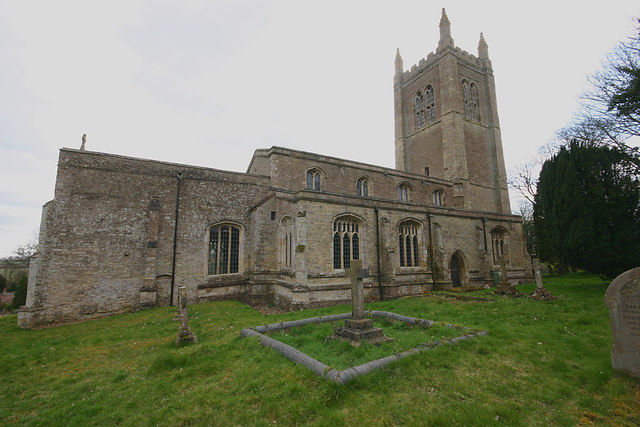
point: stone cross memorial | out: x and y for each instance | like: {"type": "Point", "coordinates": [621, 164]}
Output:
{"type": "Point", "coordinates": [505, 287]}
{"type": "Point", "coordinates": [184, 334]}
{"type": "Point", "coordinates": [358, 328]}
{"type": "Point", "coordinates": [623, 300]}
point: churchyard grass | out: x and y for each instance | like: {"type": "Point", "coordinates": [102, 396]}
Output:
{"type": "Point", "coordinates": [543, 362]}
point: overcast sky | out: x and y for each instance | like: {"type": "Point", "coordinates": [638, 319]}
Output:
{"type": "Point", "coordinates": [208, 82]}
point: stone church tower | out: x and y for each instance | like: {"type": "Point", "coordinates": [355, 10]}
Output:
{"type": "Point", "coordinates": [446, 123]}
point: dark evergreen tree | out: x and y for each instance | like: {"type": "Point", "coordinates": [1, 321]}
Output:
{"type": "Point", "coordinates": [20, 297]}
{"type": "Point", "coordinates": [587, 210]}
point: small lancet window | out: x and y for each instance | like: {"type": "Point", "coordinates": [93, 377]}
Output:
{"type": "Point", "coordinates": [419, 111]}
{"type": "Point", "coordinates": [430, 110]}
{"type": "Point", "coordinates": [438, 196]}
{"type": "Point", "coordinates": [313, 180]}
{"type": "Point", "coordinates": [363, 187]}
{"type": "Point", "coordinates": [403, 192]}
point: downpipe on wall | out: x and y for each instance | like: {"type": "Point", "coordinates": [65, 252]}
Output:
{"type": "Point", "coordinates": [175, 238]}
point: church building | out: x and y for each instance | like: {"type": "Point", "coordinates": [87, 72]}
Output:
{"type": "Point", "coordinates": [124, 233]}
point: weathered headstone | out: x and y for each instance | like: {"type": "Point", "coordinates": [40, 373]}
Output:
{"type": "Point", "coordinates": [623, 300]}
{"type": "Point", "coordinates": [540, 293]}
{"type": "Point", "coordinates": [184, 334]}
{"type": "Point", "coordinates": [358, 328]}
{"type": "Point", "coordinates": [505, 287]}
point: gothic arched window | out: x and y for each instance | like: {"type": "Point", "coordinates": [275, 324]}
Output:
{"type": "Point", "coordinates": [466, 100]}
{"type": "Point", "coordinates": [419, 111]}
{"type": "Point", "coordinates": [313, 179]}
{"type": "Point", "coordinates": [470, 101]}
{"type": "Point", "coordinates": [408, 244]}
{"type": "Point", "coordinates": [499, 243]}
{"type": "Point", "coordinates": [224, 249]}
{"type": "Point", "coordinates": [438, 197]}
{"type": "Point", "coordinates": [403, 192]}
{"type": "Point", "coordinates": [346, 241]}
{"type": "Point", "coordinates": [286, 243]}
{"type": "Point", "coordinates": [473, 100]}
{"type": "Point", "coordinates": [363, 187]}
{"type": "Point", "coordinates": [430, 104]}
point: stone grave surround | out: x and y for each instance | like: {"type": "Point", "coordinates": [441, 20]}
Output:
{"type": "Point", "coordinates": [623, 300]}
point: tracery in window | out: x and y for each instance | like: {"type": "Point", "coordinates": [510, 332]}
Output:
{"type": "Point", "coordinates": [465, 100]}
{"type": "Point", "coordinates": [403, 192]}
{"type": "Point", "coordinates": [363, 187]}
{"type": "Point", "coordinates": [419, 110]}
{"type": "Point", "coordinates": [430, 110]}
{"type": "Point", "coordinates": [499, 243]}
{"type": "Point", "coordinates": [475, 113]}
{"type": "Point", "coordinates": [470, 101]}
{"type": "Point", "coordinates": [408, 244]}
{"type": "Point", "coordinates": [224, 249]}
{"type": "Point", "coordinates": [346, 241]}
{"type": "Point", "coordinates": [313, 179]}
{"type": "Point", "coordinates": [438, 197]}
{"type": "Point", "coordinates": [286, 243]}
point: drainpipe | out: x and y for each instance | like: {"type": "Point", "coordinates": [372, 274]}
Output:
{"type": "Point", "coordinates": [484, 231]}
{"type": "Point", "coordinates": [378, 250]}
{"type": "Point", "coordinates": [175, 238]}
{"type": "Point", "coordinates": [432, 257]}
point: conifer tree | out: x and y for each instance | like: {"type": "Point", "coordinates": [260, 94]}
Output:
{"type": "Point", "coordinates": [587, 210]}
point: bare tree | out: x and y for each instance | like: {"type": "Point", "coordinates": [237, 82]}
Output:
{"type": "Point", "coordinates": [610, 110]}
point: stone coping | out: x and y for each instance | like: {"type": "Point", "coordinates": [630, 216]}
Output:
{"type": "Point", "coordinates": [342, 377]}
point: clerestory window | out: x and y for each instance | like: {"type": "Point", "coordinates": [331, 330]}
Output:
{"type": "Point", "coordinates": [313, 179]}
{"type": "Point", "coordinates": [438, 197]}
{"type": "Point", "coordinates": [403, 192]}
{"type": "Point", "coordinates": [362, 187]}
{"type": "Point", "coordinates": [346, 241]}
{"type": "Point", "coordinates": [224, 249]}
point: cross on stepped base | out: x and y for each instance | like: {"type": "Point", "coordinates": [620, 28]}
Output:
{"type": "Point", "coordinates": [358, 328]}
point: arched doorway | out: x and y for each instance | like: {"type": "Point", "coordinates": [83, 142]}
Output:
{"type": "Point", "coordinates": [456, 268]}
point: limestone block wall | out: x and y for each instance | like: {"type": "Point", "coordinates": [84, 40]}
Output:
{"type": "Point", "coordinates": [108, 239]}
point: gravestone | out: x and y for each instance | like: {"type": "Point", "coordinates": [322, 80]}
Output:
{"type": "Point", "coordinates": [505, 287]}
{"type": "Point", "coordinates": [623, 300]}
{"type": "Point", "coordinates": [184, 334]}
{"type": "Point", "coordinates": [358, 328]}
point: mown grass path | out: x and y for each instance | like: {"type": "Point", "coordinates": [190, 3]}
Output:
{"type": "Point", "coordinates": [542, 363]}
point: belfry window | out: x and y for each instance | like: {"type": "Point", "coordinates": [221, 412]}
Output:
{"type": "Point", "coordinates": [470, 100]}
{"type": "Point", "coordinates": [408, 244]}
{"type": "Point", "coordinates": [475, 113]}
{"type": "Point", "coordinates": [346, 241]}
{"type": "Point", "coordinates": [313, 180]}
{"type": "Point", "coordinates": [419, 111]}
{"type": "Point", "coordinates": [363, 187]}
{"type": "Point", "coordinates": [429, 104]}
{"type": "Point", "coordinates": [224, 249]}
{"type": "Point", "coordinates": [403, 192]}
{"type": "Point", "coordinates": [466, 100]}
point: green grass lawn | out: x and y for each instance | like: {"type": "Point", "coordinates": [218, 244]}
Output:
{"type": "Point", "coordinates": [543, 362]}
